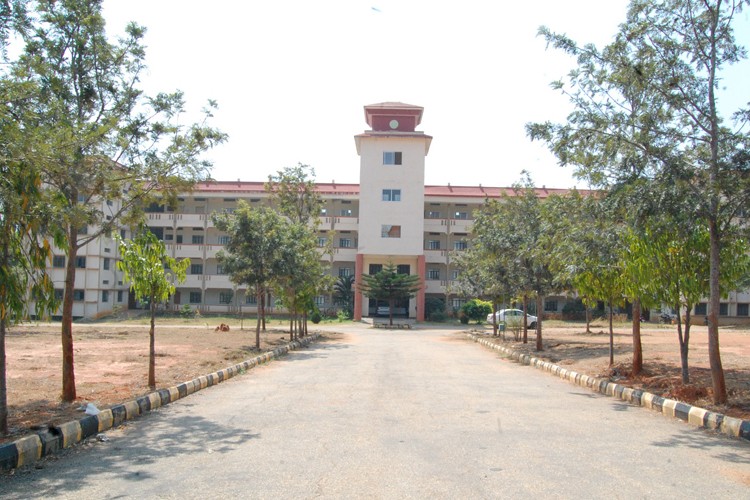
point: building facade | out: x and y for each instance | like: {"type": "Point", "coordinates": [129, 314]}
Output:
{"type": "Point", "coordinates": [391, 216]}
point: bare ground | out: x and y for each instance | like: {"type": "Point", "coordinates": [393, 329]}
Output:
{"type": "Point", "coordinates": [112, 362]}
{"type": "Point", "coordinates": [570, 346]}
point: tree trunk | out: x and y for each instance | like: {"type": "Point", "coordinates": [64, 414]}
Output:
{"type": "Point", "coordinates": [611, 335]}
{"type": "Point", "coordinates": [68, 366]}
{"type": "Point", "coordinates": [714, 354]}
{"type": "Point", "coordinates": [637, 347]}
{"type": "Point", "coordinates": [3, 382]}
{"type": "Point", "coordinates": [539, 309]}
{"type": "Point", "coordinates": [494, 318]}
{"type": "Point", "coordinates": [152, 348]}
{"type": "Point", "coordinates": [262, 312]}
{"type": "Point", "coordinates": [525, 330]}
{"type": "Point", "coordinates": [259, 300]}
{"type": "Point", "coordinates": [684, 344]}
{"type": "Point", "coordinates": [588, 319]}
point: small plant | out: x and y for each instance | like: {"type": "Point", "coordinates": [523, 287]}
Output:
{"type": "Point", "coordinates": [316, 317]}
{"type": "Point", "coordinates": [342, 316]}
{"type": "Point", "coordinates": [187, 312]}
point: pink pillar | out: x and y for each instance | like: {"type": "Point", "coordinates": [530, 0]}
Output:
{"type": "Point", "coordinates": [421, 270]}
{"type": "Point", "coordinates": [359, 263]}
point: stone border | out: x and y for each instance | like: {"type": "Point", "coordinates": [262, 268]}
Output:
{"type": "Point", "coordinates": [730, 426]}
{"type": "Point", "coordinates": [29, 449]}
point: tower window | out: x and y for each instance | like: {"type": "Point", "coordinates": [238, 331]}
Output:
{"type": "Point", "coordinates": [391, 158]}
{"type": "Point", "coordinates": [391, 195]}
{"type": "Point", "coordinates": [388, 231]}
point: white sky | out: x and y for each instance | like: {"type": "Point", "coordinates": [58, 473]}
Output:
{"type": "Point", "coordinates": [292, 76]}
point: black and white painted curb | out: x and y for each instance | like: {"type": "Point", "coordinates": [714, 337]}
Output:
{"type": "Point", "coordinates": [31, 448]}
{"type": "Point", "coordinates": [693, 415]}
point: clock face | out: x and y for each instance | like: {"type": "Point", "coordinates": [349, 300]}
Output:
{"type": "Point", "coordinates": [394, 124]}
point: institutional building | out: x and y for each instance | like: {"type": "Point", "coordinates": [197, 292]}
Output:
{"type": "Point", "coordinates": [391, 216]}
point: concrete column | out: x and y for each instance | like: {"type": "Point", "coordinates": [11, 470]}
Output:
{"type": "Point", "coordinates": [358, 265]}
{"type": "Point", "coordinates": [421, 270]}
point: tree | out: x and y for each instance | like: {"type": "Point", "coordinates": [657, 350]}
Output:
{"type": "Point", "coordinates": [253, 255]}
{"type": "Point", "coordinates": [294, 194]}
{"type": "Point", "coordinates": [390, 286]}
{"type": "Point", "coordinates": [24, 234]}
{"type": "Point", "coordinates": [476, 310]}
{"type": "Point", "coordinates": [343, 294]}
{"type": "Point", "coordinates": [152, 275]}
{"type": "Point", "coordinates": [653, 94]}
{"type": "Point", "coordinates": [106, 140]}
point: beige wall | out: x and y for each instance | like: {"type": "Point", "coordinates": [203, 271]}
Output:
{"type": "Point", "coordinates": [408, 213]}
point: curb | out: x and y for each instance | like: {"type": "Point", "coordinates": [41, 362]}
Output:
{"type": "Point", "coordinates": [29, 449]}
{"type": "Point", "coordinates": [693, 415]}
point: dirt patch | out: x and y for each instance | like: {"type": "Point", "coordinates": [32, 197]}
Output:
{"type": "Point", "coordinates": [573, 348]}
{"type": "Point", "coordinates": [111, 365]}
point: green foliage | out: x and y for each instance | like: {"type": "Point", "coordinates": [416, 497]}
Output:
{"type": "Point", "coordinates": [96, 135]}
{"type": "Point", "coordinates": [316, 317]}
{"type": "Point", "coordinates": [476, 310]}
{"type": "Point", "coordinates": [434, 309]}
{"type": "Point", "coordinates": [187, 312]}
{"type": "Point", "coordinates": [343, 294]}
{"type": "Point", "coordinates": [152, 275]}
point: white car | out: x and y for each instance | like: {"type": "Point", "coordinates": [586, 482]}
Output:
{"type": "Point", "coordinates": [512, 318]}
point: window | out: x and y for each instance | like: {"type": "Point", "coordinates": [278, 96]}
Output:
{"type": "Point", "coordinates": [391, 158]}
{"type": "Point", "coordinates": [388, 231]}
{"type": "Point", "coordinates": [105, 282]}
{"type": "Point", "coordinates": [122, 234]}
{"type": "Point", "coordinates": [224, 240]}
{"type": "Point", "coordinates": [701, 308]}
{"type": "Point", "coordinates": [454, 275]}
{"type": "Point", "coordinates": [403, 269]}
{"type": "Point", "coordinates": [169, 237]}
{"type": "Point", "coordinates": [457, 303]}
{"type": "Point", "coordinates": [320, 300]}
{"type": "Point", "coordinates": [195, 297]}
{"type": "Point", "coordinates": [723, 309]}
{"type": "Point", "coordinates": [550, 305]}
{"type": "Point", "coordinates": [59, 292]}
{"type": "Point", "coordinates": [197, 239]}
{"type": "Point", "coordinates": [107, 250]}
{"type": "Point", "coordinates": [105, 264]}
{"type": "Point", "coordinates": [323, 212]}
{"type": "Point", "coordinates": [433, 274]}
{"type": "Point", "coordinates": [375, 268]}
{"type": "Point", "coordinates": [78, 295]}
{"type": "Point", "coordinates": [105, 296]}
{"type": "Point", "coordinates": [196, 268]}
{"type": "Point", "coordinates": [461, 215]}
{"type": "Point", "coordinates": [83, 230]}
{"type": "Point", "coordinates": [322, 241]}
{"type": "Point", "coordinates": [345, 212]}
{"type": "Point", "coordinates": [432, 214]}
{"type": "Point", "coordinates": [391, 195]}
{"type": "Point", "coordinates": [460, 245]}
{"type": "Point", "coordinates": [433, 244]}
{"type": "Point", "coordinates": [220, 269]}
{"type": "Point", "coordinates": [179, 239]}
{"type": "Point", "coordinates": [109, 203]}
{"type": "Point", "coordinates": [58, 261]}
{"type": "Point", "coordinates": [345, 242]}
{"type": "Point", "coordinates": [345, 271]}
{"type": "Point", "coordinates": [742, 309]}
{"type": "Point", "coordinates": [81, 262]}
{"type": "Point", "coordinates": [225, 297]}
{"type": "Point", "coordinates": [119, 295]}
{"type": "Point", "coordinates": [251, 299]}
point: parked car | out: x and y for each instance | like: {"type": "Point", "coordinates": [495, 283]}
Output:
{"type": "Point", "coordinates": [513, 318]}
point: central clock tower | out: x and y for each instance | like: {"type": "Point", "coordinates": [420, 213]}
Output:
{"type": "Point", "coordinates": [391, 199]}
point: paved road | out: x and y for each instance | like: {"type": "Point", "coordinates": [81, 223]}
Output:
{"type": "Point", "coordinates": [409, 414]}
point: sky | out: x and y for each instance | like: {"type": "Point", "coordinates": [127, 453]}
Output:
{"type": "Point", "coordinates": [291, 78]}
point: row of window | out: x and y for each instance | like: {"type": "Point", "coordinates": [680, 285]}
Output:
{"type": "Point", "coordinates": [79, 295]}
{"type": "Point", "coordinates": [58, 261]}
{"type": "Point", "coordinates": [743, 309]}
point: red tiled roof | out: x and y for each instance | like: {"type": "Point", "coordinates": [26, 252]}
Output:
{"type": "Point", "coordinates": [331, 188]}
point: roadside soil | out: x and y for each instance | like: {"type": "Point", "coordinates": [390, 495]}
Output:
{"type": "Point", "coordinates": [570, 346]}
{"type": "Point", "coordinates": [111, 365]}
{"type": "Point", "coordinates": [111, 362]}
